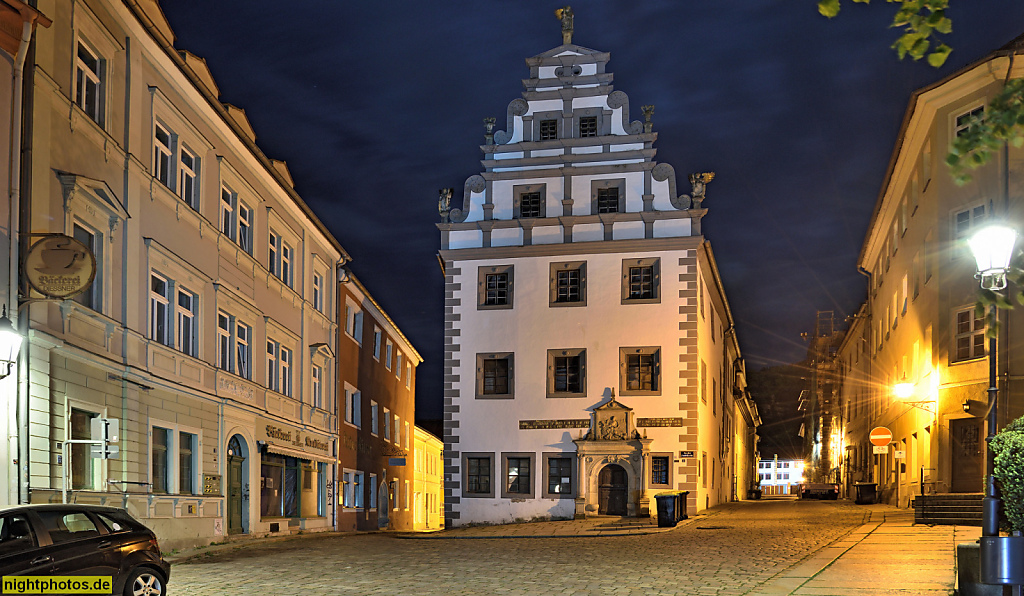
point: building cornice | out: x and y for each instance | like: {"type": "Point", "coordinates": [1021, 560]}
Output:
{"type": "Point", "coordinates": [574, 248]}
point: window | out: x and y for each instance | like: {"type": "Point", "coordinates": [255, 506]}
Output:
{"type": "Point", "coordinates": [187, 452]}
{"type": "Point", "coordinates": [318, 292]}
{"type": "Point", "coordinates": [281, 257]}
{"type": "Point", "coordinates": [352, 491]}
{"type": "Point", "coordinates": [186, 322]}
{"type": "Point", "coordinates": [567, 373]}
{"type": "Point", "coordinates": [970, 335]}
{"type": "Point", "coordinates": [317, 380]}
{"type": "Point", "coordinates": [660, 469]}
{"type": "Point", "coordinates": [286, 371]}
{"type": "Point", "coordinates": [68, 526]}
{"type": "Point", "coordinates": [160, 480]}
{"type": "Point", "coordinates": [477, 475]}
{"type": "Point", "coordinates": [518, 478]}
{"type": "Point", "coordinates": [406, 436]}
{"type": "Point", "coordinates": [494, 376]}
{"type": "Point", "coordinates": [374, 416]}
{"type": "Point", "coordinates": [228, 201]}
{"type": "Point", "coordinates": [16, 535]}
{"type": "Point", "coordinates": [588, 126]}
{"type": "Point", "coordinates": [388, 350]}
{"type": "Point", "coordinates": [353, 407]}
{"type": "Point", "coordinates": [159, 302]}
{"type": "Point", "coordinates": [386, 422]}
{"type": "Point", "coordinates": [640, 371]}
{"type": "Point", "coordinates": [703, 381]}
{"type": "Point", "coordinates": [567, 285]}
{"type": "Point", "coordinates": [84, 469]}
{"type": "Point", "coordinates": [548, 129]}
{"type": "Point", "coordinates": [188, 171]}
{"type": "Point", "coordinates": [398, 364]}
{"type": "Point", "coordinates": [273, 368]}
{"type": "Point", "coordinates": [966, 222]}
{"type": "Point", "coordinates": [558, 476]}
{"type": "Point", "coordinates": [408, 375]}
{"type": "Point", "coordinates": [89, 83]}
{"type": "Point", "coordinates": [162, 155]}
{"type": "Point", "coordinates": [354, 323]}
{"type": "Point", "coordinates": [607, 195]}
{"type": "Point", "coordinates": [373, 491]}
{"type": "Point", "coordinates": [233, 339]}
{"type": "Point", "coordinates": [529, 200]}
{"type": "Point", "coordinates": [376, 342]}
{"type": "Point", "coordinates": [357, 490]}
{"type": "Point", "coordinates": [641, 281]}
{"type": "Point", "coordinates": [529, 204]}
{"type": "Point", "coordinates": [968, 120]}
{"type": "Point", "coordinates": [608, 200]}
{"type": "Point", "coordinates": [398, 428]}
{"type": "Point", "coordinates": [494, 287]}
{"type": "Point", "coordinates": [92, 297]}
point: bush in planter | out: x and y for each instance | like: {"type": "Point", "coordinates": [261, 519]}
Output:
{"type": "Point", "coordinates": [1008, 446]}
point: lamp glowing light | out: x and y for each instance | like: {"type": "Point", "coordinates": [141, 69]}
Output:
{"type": "Point", "coordinates": [903, 390]}
{"type": "Point", "coordinates": [992, 247]}
{"type": "Point", "coordinates": [10, 344]}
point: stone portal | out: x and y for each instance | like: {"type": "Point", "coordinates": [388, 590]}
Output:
{"type": "Point", "coordinates": [611, 460]}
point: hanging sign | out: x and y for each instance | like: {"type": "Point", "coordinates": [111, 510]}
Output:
{"type": "Point", "coordinates": [60, 266]}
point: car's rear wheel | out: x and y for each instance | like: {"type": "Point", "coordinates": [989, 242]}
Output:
{"type": "Point", "coordinates": [145, 582]}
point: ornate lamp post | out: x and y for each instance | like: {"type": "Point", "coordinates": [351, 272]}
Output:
{"type": "Point", "coordinates": [992, 247]}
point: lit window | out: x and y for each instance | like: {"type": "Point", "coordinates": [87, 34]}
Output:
{"type": "Point", "coordinates": [970, 335]}
{"type": "Point", "coordinates": [89, 83]}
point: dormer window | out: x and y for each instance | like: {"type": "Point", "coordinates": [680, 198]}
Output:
{"type": "Point", "coordinates": [588, 126]}
{"type": "Point", "coordinates": [548, 130]}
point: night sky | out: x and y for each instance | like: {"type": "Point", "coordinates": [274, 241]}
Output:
{"type": "Point", "coordinates": [376, 105]}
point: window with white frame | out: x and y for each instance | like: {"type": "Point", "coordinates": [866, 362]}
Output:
{"type": "Point", "coordinates": [186, 322]}
{"type": "Point", "coordinates": [398, 364]}
{"type": "Point", "coordinates": [398, 428]}
{"type": "Point", "coordinates": [353, 406]}
{"type": "Point", "coordinates": [376, 342]}
{"type": "Point", "coordinates": [970, 334]}
{"type": "Point", "coordinates": [162, 152]}
{"type": "Point", "coordinates": [188, 175]}
{"type": "Point", "coordinates": [358, 489]}
{"type": "Point", "coordinates": [159, 309]}
{"type": "Point", "coordinates": [236, 219]}
{"type": "Point", "coordinates": [285, 358]}
{"type": "Point", "coordinates": [405, 437]}
{"type": "Point", "coordinates": [374, 417]}
{"type": "Point", "coordinates": [273, 370]}
{"type": "Point", "coordinates": [243, 351]}
{"type": "Point", "coordinates": [969, 120]}
{"type": "Point", "coordinates": [89, 79]}
{"type": "Point", "coordinates": [373, 491]}
{"type": "Point", "coordinates": [408, 375]}
{"type": "Point", "coordinates": [281, 257]}
{"type": "Point", "coordinates": [354, 323]}
{"type": "Point", "coordinates": [92, 297]}
{"type": "Point", "coordinates": [349, 489]}
{"type": "Point", "coordinates": [387, 424]}
{"type": "Point", "coordinates": [174, 459]}
{"type": "Point", "coordinates": [316, 377]}
{"type": "Point", "coordinates": [318, 292]}
{"type": "Point", "coordinates": [388, 349]}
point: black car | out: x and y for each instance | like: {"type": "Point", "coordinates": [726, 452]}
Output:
{"type": "Point", "coordinates": [55, 540]}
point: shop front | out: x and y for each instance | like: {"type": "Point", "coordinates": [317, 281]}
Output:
{"type": "Point", "coordinates": [296, 478]}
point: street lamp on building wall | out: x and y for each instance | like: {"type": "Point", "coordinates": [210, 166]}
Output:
{"type": "Point", "coordinates": [10, 344]}
{"type": "Point", "coordinates": [992, 247]}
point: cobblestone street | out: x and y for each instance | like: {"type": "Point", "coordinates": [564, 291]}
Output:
{"type": "Point", "coordinates": [734, 550]}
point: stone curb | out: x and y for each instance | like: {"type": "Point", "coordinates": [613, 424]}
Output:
{"type": "Point", "coordinates": [441, 535]}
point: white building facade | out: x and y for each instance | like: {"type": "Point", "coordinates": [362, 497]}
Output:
{"type": "Point", "coordinates": [780, 476]}
{"type": "Point", "coordinates": [590, 355]}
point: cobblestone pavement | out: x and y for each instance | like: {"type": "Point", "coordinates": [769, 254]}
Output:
{"type": "Point", "coordinates": [735, 550]}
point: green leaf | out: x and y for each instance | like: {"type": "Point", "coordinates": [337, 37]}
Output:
{"type": "Point", "coordinates": [828, 8]}
{"type": "Point", "coordinates": [938, 57]}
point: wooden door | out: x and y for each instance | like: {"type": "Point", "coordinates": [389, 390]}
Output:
{"type": "Point", "coordinates": [967, 461]}
{"type": "Point", "coordinates": [611, 490]}
{"type": "Point", "coordinates": [235, 494]}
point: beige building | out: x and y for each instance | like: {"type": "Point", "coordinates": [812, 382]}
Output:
{"type": "Point", "coordinates": [428, 491]}
{"type": "Point", "coordinates": [209, 331]}
{"type": "Point", "coordinates": [921, 330]}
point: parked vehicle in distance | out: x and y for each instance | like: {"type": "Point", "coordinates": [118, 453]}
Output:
{"type": "Point", "coordinates": [88, 540]}
{"type": "Point", "coordinates": [819, 490]}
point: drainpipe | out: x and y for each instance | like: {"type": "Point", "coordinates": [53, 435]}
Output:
{"type": "Point", "coordinates": [14, 221]}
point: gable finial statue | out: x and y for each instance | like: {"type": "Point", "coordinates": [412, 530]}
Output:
{"type": "Point", "coordinates": [648, 111]}
{"type": "Point", "coordinates": [444, 203]}
{"type": "Point", "coordinates": [698, 181]}
{"type": "Point", "coordinates": [564, 14]}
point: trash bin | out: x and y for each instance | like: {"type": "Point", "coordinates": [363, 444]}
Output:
{"type": "Point", "coordinates": [754, 493]}
{"type": "Point", "coordinates": [866, 492]}
{"type": "Point", "coordinates": [671, 507]}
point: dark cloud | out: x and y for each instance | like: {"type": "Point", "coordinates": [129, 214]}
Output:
{"type": "Point", "coordinates": [377, 105]}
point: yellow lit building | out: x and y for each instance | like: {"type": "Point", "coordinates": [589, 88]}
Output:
{"type": "Point", "coordinates": [919, 328]}
{"type": "Point", "coordinates": [428, 483]}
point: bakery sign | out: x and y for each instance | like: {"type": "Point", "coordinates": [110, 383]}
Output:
{"type": "Point", "coordinates": [60, 266]}
{"type": "Point", "coordinates": [287, 440]}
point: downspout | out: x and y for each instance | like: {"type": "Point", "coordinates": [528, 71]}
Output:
{"type": "Point", "coordinates": [14, 225]}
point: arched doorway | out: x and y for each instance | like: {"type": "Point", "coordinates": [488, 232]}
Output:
{"type": "Point", "coordinates": [612, 484]}
{"type": "Point", "coordinates": [238, 486]}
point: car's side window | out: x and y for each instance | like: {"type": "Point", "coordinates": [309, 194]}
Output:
{"type": "Point", "coordinates": [65, 526]}
{"type": "Point", "coordinates": [15, 534]}
{"type": "Point", "coordinates": [112, 524]}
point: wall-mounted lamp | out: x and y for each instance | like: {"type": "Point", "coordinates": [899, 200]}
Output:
{"type": "Point", "coordinates": [10, 344]}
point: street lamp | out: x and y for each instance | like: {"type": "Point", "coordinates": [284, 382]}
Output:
{"type": "Point", "coordinates": [992, 247]}
{"type": "Point", "coordinates": [10, 344]}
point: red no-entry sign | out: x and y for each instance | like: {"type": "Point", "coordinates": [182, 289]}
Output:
{"type": "Point", "coordinates": [880, 436]}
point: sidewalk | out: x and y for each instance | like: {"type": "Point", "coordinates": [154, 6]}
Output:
{"type": "Point", "coordinates": [888, 555]}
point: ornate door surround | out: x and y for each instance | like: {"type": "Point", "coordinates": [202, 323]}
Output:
{"type": "Point", "coordinates": [612, 439]}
